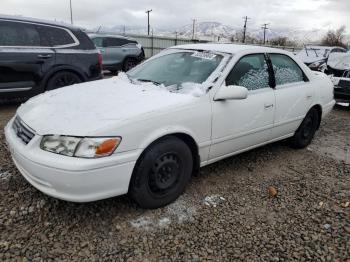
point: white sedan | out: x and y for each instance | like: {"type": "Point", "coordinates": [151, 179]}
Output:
{"type": "Point", "coordinates": [145, 132]}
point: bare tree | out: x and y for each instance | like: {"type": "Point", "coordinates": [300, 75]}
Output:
{"type": "Point", "coordinates": [335, 37]}
{"type": "Point", "coordinates": [282, 41]}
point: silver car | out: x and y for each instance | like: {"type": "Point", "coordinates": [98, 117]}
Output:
{"type": "Point", "coordinates": [119, 53]}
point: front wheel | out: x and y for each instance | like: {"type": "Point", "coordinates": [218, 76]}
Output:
{"type": "Point", "coordinates": [306, 131]}
{"type": "Point", "coordinates": [162, 173]}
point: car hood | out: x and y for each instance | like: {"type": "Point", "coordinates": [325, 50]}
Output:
{"type": "Point", "coordinates": [339, 61]}
{"type": "Point", "coordinates": [86, 109]}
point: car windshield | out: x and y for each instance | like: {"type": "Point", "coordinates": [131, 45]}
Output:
{"type": "Point", "coordinates": [177, 68]}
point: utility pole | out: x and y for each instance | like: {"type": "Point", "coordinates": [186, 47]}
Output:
{"type": "Point", "coordinates": [148, 27]}
{"type": "Point", "coordinates": [193, 28]}
{"type": "Point", "coordinates": [264, 27]}
{"type": "Point", "coordinates": [71, 11]}
{"type": "Point", "coordinates": [245, 27]}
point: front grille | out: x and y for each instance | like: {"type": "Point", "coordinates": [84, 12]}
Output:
{"type": "Point", "coordinates": [22, 130]}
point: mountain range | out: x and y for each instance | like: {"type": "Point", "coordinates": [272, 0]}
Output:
{"type": "Point", "coordinates": [214, 31]}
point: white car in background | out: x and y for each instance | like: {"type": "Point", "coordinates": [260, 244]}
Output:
{"type": "Point", "coordinates": [145, 132]}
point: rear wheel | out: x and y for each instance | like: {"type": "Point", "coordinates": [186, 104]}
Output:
{"type": "Point", "coordinates": [306, 131]}
{"type": "Point", "coordinates": [162, 173]}
{"type": "Point", "coordinates": [129, 63]}
{"type": "Point", "coordinates": [61, 79]}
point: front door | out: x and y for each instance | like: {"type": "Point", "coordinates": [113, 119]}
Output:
{"type": "Point", "coordinates": [240, 124]}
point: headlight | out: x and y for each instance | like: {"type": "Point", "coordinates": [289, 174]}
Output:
{"type": "Point", "coordinates": [88, 147]}
{"type": "Point", "coordinates": [316, 64]}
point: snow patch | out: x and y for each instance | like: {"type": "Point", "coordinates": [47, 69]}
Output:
{"type": "Point", "coordinates": [178, 211]}
{"type": "Point", "coordinates": [181, 211]}
{"type": "Point", "coordinates": [5, 175]}
{"type": "Point", "coordinates": [142, 223]}
{"type": "Point", "coordinates": [213, 200]}
{"type": "Point", "coordinates": [194, 89]}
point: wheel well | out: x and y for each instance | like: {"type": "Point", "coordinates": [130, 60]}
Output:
{"type": "Point", "coordinates": [319, 111]}
{"type": "Point", "coordinates": [64, 70]}
{"type": "Point", "coordinates": [189, 141]}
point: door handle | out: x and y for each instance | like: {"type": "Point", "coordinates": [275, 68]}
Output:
{"type": "Point", "coordinates": [44, 56]}
{"type": "Point", "coordinates": [267, 106]}
{"type": "Point", "coordinates": [308, 96]}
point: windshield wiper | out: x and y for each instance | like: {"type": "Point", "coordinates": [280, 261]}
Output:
{"type": "Point", "coordinates": [149, 81]}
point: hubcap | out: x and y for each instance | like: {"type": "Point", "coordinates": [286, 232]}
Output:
{"type": "Point", "coordinates": [165, 174]}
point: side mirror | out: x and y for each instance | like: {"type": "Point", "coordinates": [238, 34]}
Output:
{"type": "Point", "coordinates": [231, 93]}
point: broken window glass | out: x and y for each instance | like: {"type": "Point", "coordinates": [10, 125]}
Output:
{"type": "Point", "coordinates": [286, 70]}
{"type": "Point", "coordinates": [251, 72]}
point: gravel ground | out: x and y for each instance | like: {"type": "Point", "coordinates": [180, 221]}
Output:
{"type": "Point", "coordinates": [226, 213]}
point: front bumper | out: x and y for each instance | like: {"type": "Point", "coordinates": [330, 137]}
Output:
{"type": "Point", "coordinates": [341, 89]}
{"type": "Point", "coordinates": [68, 178]}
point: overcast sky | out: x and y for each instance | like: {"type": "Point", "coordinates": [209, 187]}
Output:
{"type": "Point", "coordinates": [293, 14]}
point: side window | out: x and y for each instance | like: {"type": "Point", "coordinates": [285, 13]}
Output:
{"type": "Point", "coordinates": [286, 70]}
{"type": "Point", "coordinates": [18, 34]}
{"type": "Point", "coordinates": [113, 42]}
{"type": "Point", "coordinates": [54, 36]}
{"type": "Point", "coordinates": [98, 41]}
{"type": "Point", "coordinates": [251, 72]}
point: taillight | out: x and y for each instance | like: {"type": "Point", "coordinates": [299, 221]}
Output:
{"type": "Point", "coordinates": [100, 60]}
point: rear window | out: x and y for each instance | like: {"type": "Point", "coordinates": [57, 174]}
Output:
{"type": "Point", "coordinates": [54, 36]}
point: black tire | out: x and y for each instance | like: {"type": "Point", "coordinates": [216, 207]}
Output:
{"type": "Point", "coordinates": [114, 72]}
{"type": "Point", "coordinates": [129, 63]}
{"type": "Point", "coordinates": [61, 79]}
{"type": "Point", "coordinates": [306, 131]}
{"type": "Point", "coordinates": [162, 173]}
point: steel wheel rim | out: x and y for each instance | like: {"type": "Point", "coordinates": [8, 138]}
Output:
{"type": "Point", "coordinates": [165, 174]}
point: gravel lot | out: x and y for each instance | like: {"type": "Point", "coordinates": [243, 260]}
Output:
{"type": "Point", "coordinates": [225, 214]}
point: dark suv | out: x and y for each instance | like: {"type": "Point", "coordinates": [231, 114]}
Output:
{"type": "Point", "coordinates": [37, 55]}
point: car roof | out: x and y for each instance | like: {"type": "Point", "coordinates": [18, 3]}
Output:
{"type": "Point", "coordinates": [40, 21]}
{"type": "Point", "coordinates": [106, 35]}
{"type": "Point", "coordinates": [229, 48]}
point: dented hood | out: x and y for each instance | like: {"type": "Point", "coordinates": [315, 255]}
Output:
{"type": "Point", "coordinates": [339, 61]}
{"type": "Point", "coordinates": [81, 110]}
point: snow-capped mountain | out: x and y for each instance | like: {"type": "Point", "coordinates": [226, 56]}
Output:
{"type": "Point", "coordinates": [213, 31]}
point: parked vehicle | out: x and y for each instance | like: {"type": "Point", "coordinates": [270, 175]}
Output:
{"type": "Point", "coordinates": [315, 57]}
{"type": "Point", "coordinates": [338, 66]}
{"type": "Point", "coordinates": [37, 55]}
{"type": "Point", "coordinates": [119, 53]}
{"type": "Point", "coordinates": [145, 132]}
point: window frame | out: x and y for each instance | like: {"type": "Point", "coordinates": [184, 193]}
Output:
{"type": "Point", "coordinates": [76, 41]}
{"type": "Point", "coordinates": [271, 79]}
{"type": "Point", "coordinates": [305, 78]}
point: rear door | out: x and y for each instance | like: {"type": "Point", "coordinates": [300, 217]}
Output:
{"type": "Point", "coordinates": [294, 95]}
{"type": "Point", "coordinates": [23, 54]}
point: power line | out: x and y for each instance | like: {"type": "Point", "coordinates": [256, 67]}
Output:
{"type": "Point", "coordinates": [148, 25]}
{"type": "Point", "coordinates": [264, 27]}
{"type": "Point", "coordinates": [246, 18]}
